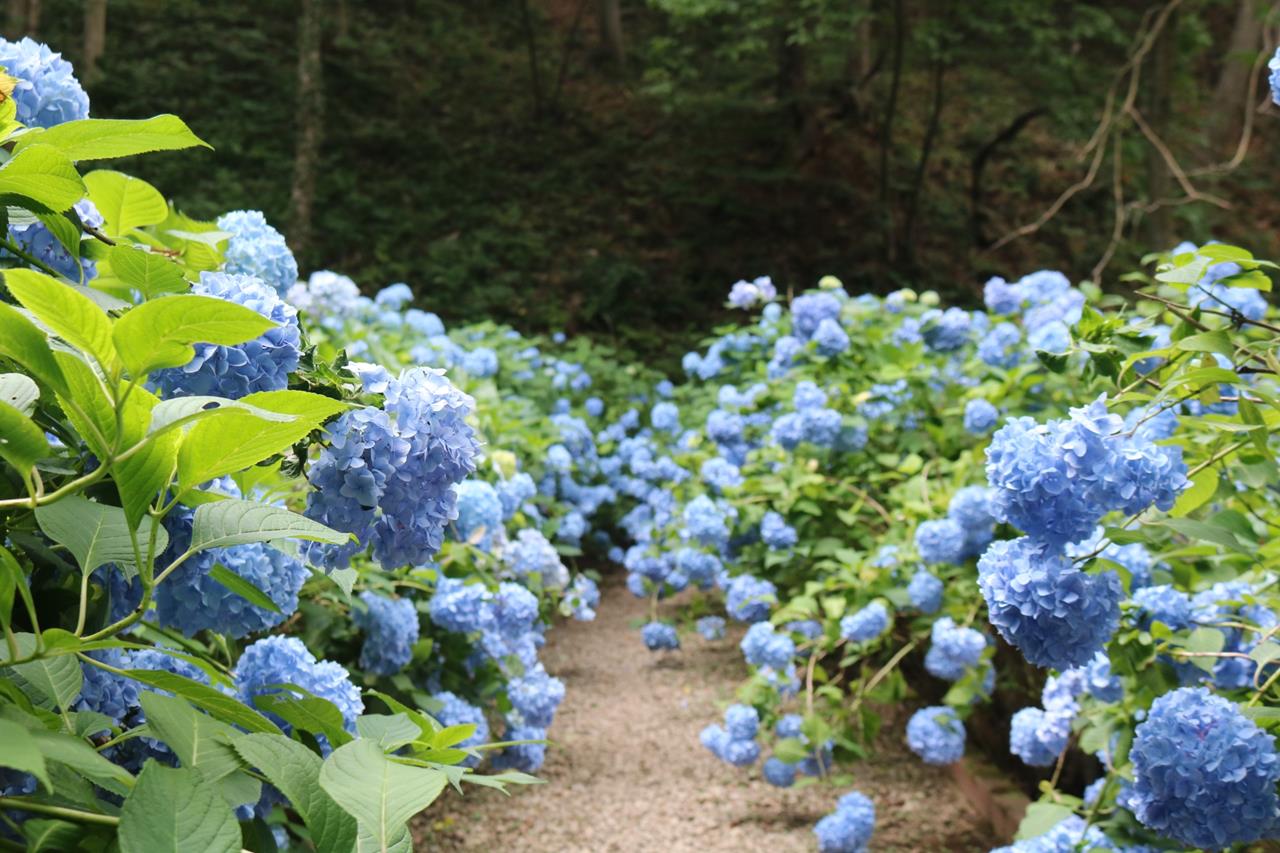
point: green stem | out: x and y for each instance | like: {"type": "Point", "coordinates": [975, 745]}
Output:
{"type": "Point", "coordinates": [58, 811]}
{"type": "Point", "coordinates": [22, 255]}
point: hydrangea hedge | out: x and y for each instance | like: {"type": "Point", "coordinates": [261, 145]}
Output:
{"type": "Point", "coordinates": [277, 558]}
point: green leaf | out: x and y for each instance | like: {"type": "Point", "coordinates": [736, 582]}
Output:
{"type": "Point", "coordinates": [241, 587]}
{"type": "Point", "coordinates": [236, 522]}
{"type": "Point", "coordinates": [1265, 653]}
{"type": "Point", "coordinates": [237, 440]}
{"type": "Point", "coordinates": [1193, 529]}
{"type": "Point", "coordinates": [58, 679]}
{"type": "Point", "coordinates": [11, 577]}
{"type": "Point", "coordinates": [160, 333]}
{"type": "Point", "coordinates": [86, 403]}
{"type": "Point", "coordinates": [105, 139]}
{"type": "Point", "coordinates": [21, 753]}
{"type": "Point", "coordinates": [79, 756]}
{"type": "Point", "coordinates": [147, 472]}
{"type": "Point", "coordinates": [41, 175]}
{"type": "Point", "coordinates": [71, 315]}
{"type": "Point", "coordinates": [1203, 487]}
{"type": "Point", "coordinates": [95, 533]}
{"type": "Point", "coordinates": [65, 228]}
{"type": "Point", "coordinates": [226, 708]}
{"type": "Point", "coordinates": [1040, 818]}
{"type": "Point", "coordinates": [125, 202]}
{"type": "Point", "coordinates": [201, 742]}
{"type": "Point", "coordinates": [20, 391]}
{"type": "Point", "coordinates": [174, 810]}
{"type": "Point", "coordinates": [1216, 341]}
{"type": "Point", "coordinates": [150, 273]}
{"type": "Point", "coordinates": [23, 342]}
{"type": "Point", "coordinates": [381, 794]}
{"type": "Point", "coordinates": [390, 731]}
{"type": "Point", "coordinates": [52, 835]}
{"type": "Point", "coordinates": [22, 443]}
{"type": "Point", "coordinates": [295, 770]}
{"type": "Point", "coordinates": [1207, 641]}
{"type": "Point", "coordinates": [305, 711]}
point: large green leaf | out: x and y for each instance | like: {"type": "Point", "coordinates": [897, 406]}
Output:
{"type": "Point", "coordinates": [86, 403]}
{"type": "Point", "coordinates": [379, 793]}
{"type": "Point", "coordinates": [22, 443]}
{"type": "Point", "coordinates": [95, 533]}
{"type": "Point", "coordinates": [104, 139]}
{"type": "Point", "coordinates": [175, 810]}
{"type": "Point", "coordinates": [160, 333]}
{"type": "Point", "coordinates": [125, 202]}
{"type": "Point", "coordinates": [236, 522]}
{"type": "Point", "coordinates": [71, 315]}
{"type": "Point", "coordinates": [295, 770]}
{"type": "Point", "coordinates": [20, 391]}
{"type": "Point", "coordinates": [147, 472]}
{"type": "Point", "coordinates": [243, 588]}
{"type": "Point", "coordinates": [42, 175]}
{"type": "Point", "coordinates": [180, 411]}
{"type": "Point", "coordinates": [84, 759]}
{"type": "Point", "coordinates": [22, 753]}
{"type": "Point", "coordinates": [307, 712]}
{"type": "Point", "coordinates": [58, 679]}
{"type": "Point", "coordinates": [23, 342]}
{"type": "Point", "coordinates": [1040, 818]}
{"type": "Point", "coordinates": [1203, 486]}
{"type": "Point", "coordinates": [226, 708]}
{"type": "Point", "coordinates": [150, 273]}
{"type": "Point", "coordinates": [201, 742]}
{"type": "Point", "coordinates": [52, 835]}
{"type": "Point", "coordinates": [237, 440]}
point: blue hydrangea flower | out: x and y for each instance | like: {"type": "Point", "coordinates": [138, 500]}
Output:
{"type": "Point", "coordinates": [1164, 604]}
{"type": "Point", "coordinates": [658, 636]}
{"type": "Point", "coordinates": [776, 533]}
{"type": "Point", "coordinates": [391, 628]}
{"type": "Point", "coordinates": [1069, 836]}
{"type": "Point", "coordinates": [940, 540]}
{"type": "Point", "coordinates": [1001, 297]}
{"type": "Point", "coordinates": [192, 601]}
{"type": "Point", "coordinates": [514, 492]}
{"type": "Point", "coordinates": [583, 597]}
{"type": "Point", "coordinates": [47, 92]}
{"type": "Point", "coordinates": [866, 624]}
{"type": "Point", "coordinates": [285, 660]}
{"type": "Point", "coordinates": [925, 592]}
{"type": "Point", "coordinates": [392, 484]}
{"type": "Point", "coordinates": [455, 711]}
{"type": "Point", "coordinates": [105, 692]}
{"type": "Point", "coordinates": [980, 417]}
{"type": "Point", "coordinates": [748, 294]}
{"type": "Point", "coordinates": [720, 474]}
{"type": "Point", "coordinates": [1134, 556]}
{"type": "Point", "coordinates": [479, 513]}
{"type": "Point", "coordinates": [1055, 614]}
{"type": "Point", "coordinates": [809, 310]}
{"type": "Point", "coordinates": [1204, 774]}
{"type": "Point", "coordinates": [710, 627]}
{"type": "Point", "coordinates": [1100, 682]}
{"type": "Point", "coordinates": [830, 338]}
{"type": "Point", "coordinates": [742, 722]}
{"type": "Point", "coordinates": [480, 363]}
{"type": "Point", "coordinates": [525, 757]}
{"type": "Point", "coordinates": [262, 364]}
{"type": "Point", "coordinates": [37, 240]}
{"type": "Point", "coordinates": [257, 249]}
{"type": "Point", "coordinates": [946, 331]}
{"type": "Point", "coordinates": [1035, 741]}
{"type": "Point", "coordinates": [848, 829]}
{"type": "Point", "coordinates": [1001, 346]}
{"type": "Point", "coordinates": [461, 607]}
{"type": "Point", "coordinates": [937, 735]}
{"type": "Point", "coordinates": [953, 649]}
{"type": "Point", "coordinates": [762, 645]}
{"type": "Point", "coordinates": [535, 696]}
{"type": "Point", "coordinates": [970, 507]}
{"type": "Point", "coordinates": [327, 297]}
{"type": "Point", "coordinates": [665, 417]}
{"type": "Point", "coordinates": [705, 522]}
{"type": "Point", "coordinates": [779, 773]}
{"type": "Point", "coordinates": [749, 599]}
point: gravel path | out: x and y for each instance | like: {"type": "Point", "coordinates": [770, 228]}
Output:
{"type": "Point", "coordinates": [626, 772]}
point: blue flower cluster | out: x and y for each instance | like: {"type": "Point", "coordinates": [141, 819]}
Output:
{"type": "Point", "coordinates": [749, 598]}
{"type": "Point", "coordinates": [937, 735]}
{"type": "Point", "coordinates": [980, 416]}
{"type": "Point", "coordinates": [764, 645]}
{"type": "Point", "coordinates": [391, 482]}
{"type": "Point", "coordinates": [749, 294]}
{"type": "Point", "coordinates": [925, 591]}
{"type": "Point", "coordinates": [262, 364]}
{"type": "Point", "coordinates": [480, 513]}
{"type": "Point", "coordinates": [37, 240]}
{"type": "Point", "coordinates": [848, 829]}
{"type": "Point", "coordinates": [735, 741]}
{"type": "Point", "coordinates": [391, 628]}
{"type": "Point", "coordinates": [456, 711]}
{"type": "Point", "coordinates": [953, 649]}
{"type": "Point", "coordinates": [659, 636]}
{"type": "Point", "coordinates": [257, 249]}
{"type": "Point", "coordinates": [285, 660]}
{"type": "Point", "coordinates": [776, 533]}
{"type": "Point", "coordinates": [1204, 774]}
{"type": "Point", "coordinates": [47, 92]}
{"type": "Point", "coordinates": [866, 624]}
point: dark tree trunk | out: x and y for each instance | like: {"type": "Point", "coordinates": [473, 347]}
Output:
{"type": "Point", "coordinates": [609, 16]}
{"type": "Point", "coordinates": [531, 43]}
{"type": "Point", "coordinates": [95, 38]}
{"type": "Point", "coordinates": [886, 129]}
{"type": "Point", "coordinates": [23, 18]}
{"type": "Point", "coordinates": [1159, 110]}
{"type": "Point", "coordinates": [310, 125]}
{"type": "Point", "coordinates": [1232, 89]}
{"type": "Point", "coordinates": [922, 166]}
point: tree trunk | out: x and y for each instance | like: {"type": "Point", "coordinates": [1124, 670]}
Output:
{"type": "Point", "coordinates": [1159, 111]}
{"type": "Point", "coordinates": [886, 129]}
{"type": "Point", "coordinates": [22, 18]}
{"type": "Point", "coordinates": [609, 15]}
{"type": "Point", "coordinates": [1232, 89]}
{"type": "Point", "coordinates": [95, 38]}
{"type": "Point", "coordinates": [310, 124]}
{"type": "Point", "coordinates": [922, 166]}
{"type": "Point", "coordinates": [535, 67]}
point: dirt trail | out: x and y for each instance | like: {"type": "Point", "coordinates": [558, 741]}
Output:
{"type": "Point", "coordinates": [626, 771]}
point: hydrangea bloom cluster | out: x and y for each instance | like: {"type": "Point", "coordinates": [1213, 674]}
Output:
{"type": "Point", "coordinates": [531, 554]}
{"type": "Point", "coordinates": [391, 628]}
{"type": "Point", "coordinates": [1204, 774]}
{"type": "Point", "coordinates": [37, 240]}
{"type": "Point", "coordinates": [257, 249]}
{"type": "Point", "coordinates": [391, 482]}
{"type": "Point", "coordinates": [262, 364]}
{"type": "Point", "coordinates": [749, 599]}
{"type": "Point", "coordinates": [940, 540]}
{"type": "Point", "coordinates": [535, 696]}
{"type": "Point", "coordinates": [763, 645]}
{"type": "Point", "coordinates": [710, 627]}
{"type": "Point", "coordinates": [1055, 614]}
{"type": "Point", "coordinates": [456, 711]}
{"type": "Point", "coordinates": [808, 312]}
{"type": "Point", "coordinates": [953, 649]}
{"type": "Point", "coordinates": [749, 294]}
{"type": "Point", "coordinates": [980, 417]}
{"type": "Point", "coordinates": [866, 624]}
{"type": "Point", "coordinates": [479, 513]}
{"type": "Point", "coordinates": [285, 660]}
{"type": "Point", "coordinates": [848, 829]}
{"type": "Point", "coordinates": [937, 735]}
{"type": "Point", "coordinates": [925, 591]}
{"type": "Point", "coordinates": [1068, 836]}
{"type": "Point", "coordinates": [47, 92]}
{"type": "Point", "coordinates": [776, 533]}
{"type": "Point", "coordinates": [734, 742]}
{"type": "Point", "coordinates": [659, 636]}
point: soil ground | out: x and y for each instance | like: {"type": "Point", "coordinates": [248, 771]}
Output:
{"type": "Point", "coordinates": [626, 771]}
